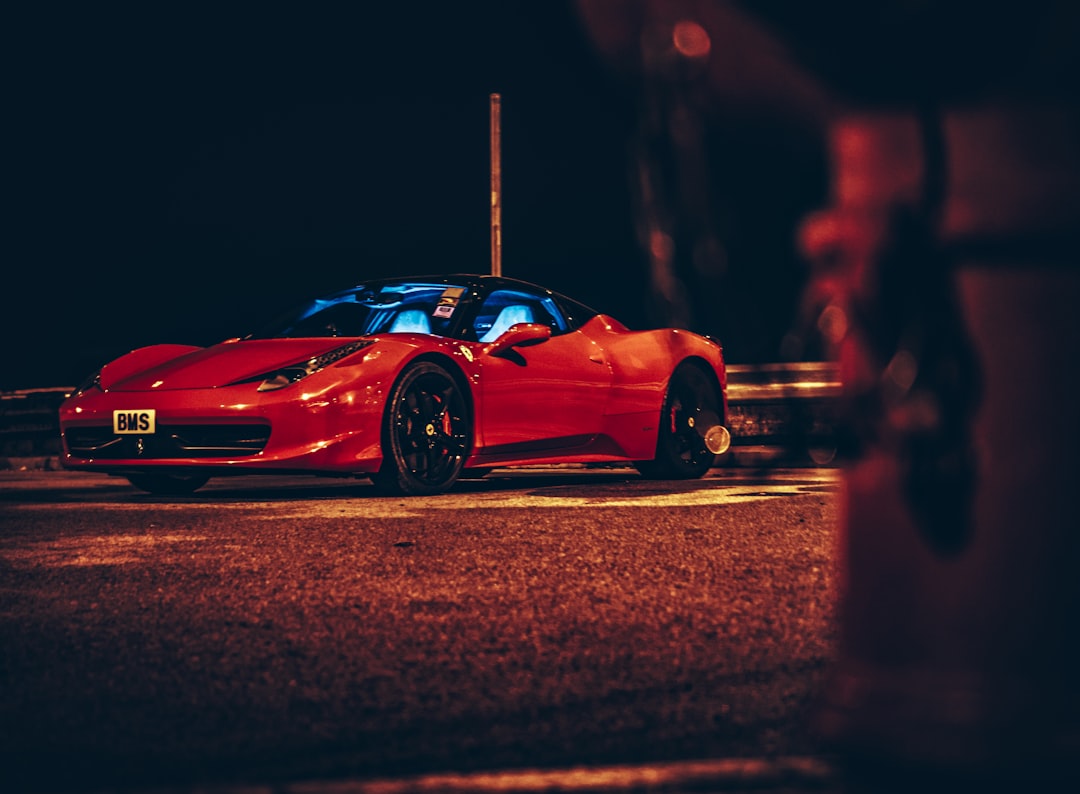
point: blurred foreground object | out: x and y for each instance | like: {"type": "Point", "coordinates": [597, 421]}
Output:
{"type": "Point", "coordinates": [957, 333]}
{"type": "Point", "coordinates": [720, 168]}
{"type": "Point", "coordinates": [945, 280]}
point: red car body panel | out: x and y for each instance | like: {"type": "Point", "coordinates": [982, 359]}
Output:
{"type": "Point", "coordinates": [590, 395]}
{"type": "Point", "coordinates": [207, 368]}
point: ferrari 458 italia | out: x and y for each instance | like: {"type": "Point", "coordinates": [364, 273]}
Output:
{"type": "Point", "coordinates": [413, 382]}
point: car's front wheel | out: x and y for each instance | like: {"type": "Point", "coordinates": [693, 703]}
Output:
{"type": "Point", "coordinates": [165, 484]}
{"type": "Point", "coordinates": [691, 404]}
{"type": "Point", "coordinates": [426, 432]}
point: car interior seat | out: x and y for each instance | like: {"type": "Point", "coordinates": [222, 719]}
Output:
{"type": "Point", "coordinates": [411, 321]}
{"type": "Point", "coordinates": [515, 313]}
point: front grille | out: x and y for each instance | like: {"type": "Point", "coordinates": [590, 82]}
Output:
{"type": "Point", "coordinates": [170, 441]}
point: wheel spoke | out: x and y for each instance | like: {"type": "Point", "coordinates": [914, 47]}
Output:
{"type": "Point", "coordinates": [454, 445]}
{"type": "Point", "coordinates": [435, 462]}
{"type": "Point", "coordinates": [427, 406]}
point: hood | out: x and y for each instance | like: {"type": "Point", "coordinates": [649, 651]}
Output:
{"type": "Point", "coordinates": [172, 367]}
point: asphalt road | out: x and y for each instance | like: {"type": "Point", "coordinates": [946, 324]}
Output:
{"type": "Point", "coordinates": [284, 629]}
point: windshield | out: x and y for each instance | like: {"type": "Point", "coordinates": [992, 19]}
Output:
{"type": "Point", "coordinates": [404, 307]}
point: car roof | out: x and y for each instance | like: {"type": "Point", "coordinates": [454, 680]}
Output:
{"type": "Point", "coordinates": [474, 282]}
{"type": "Point", "coordinates": [464, 279]}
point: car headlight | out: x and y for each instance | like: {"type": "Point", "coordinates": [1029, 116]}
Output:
{"type": "Point", "coordinates": [280, 378]}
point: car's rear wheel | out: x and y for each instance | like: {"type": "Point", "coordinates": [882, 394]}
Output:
{"type": "Point", "coordinates": [691, 403]}
{"type": "Point", "coordinates": [165, 484]}
{"type": "Point", "coordinates": [426, 432]}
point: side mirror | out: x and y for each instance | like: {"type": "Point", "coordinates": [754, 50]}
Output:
{"type": "Point", "coordinates": [519, 335]}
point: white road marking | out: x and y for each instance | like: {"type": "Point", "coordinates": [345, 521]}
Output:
{"type": "Point", "coordinates": [576, 493]}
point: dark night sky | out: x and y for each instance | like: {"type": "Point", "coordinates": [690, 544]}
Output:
{"type": "Point", "coordinates": [178, 172]}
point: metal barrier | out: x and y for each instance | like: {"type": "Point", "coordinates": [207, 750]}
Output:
{"type": "Point", "coordinates": [30, 422]}
{"type": "Point", "coordinates": [782, 406]}
{"type": "Point", "coordinates": [789, 408]}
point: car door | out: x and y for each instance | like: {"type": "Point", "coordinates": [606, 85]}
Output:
{"type": "Point", "coordinates": [540, 397]}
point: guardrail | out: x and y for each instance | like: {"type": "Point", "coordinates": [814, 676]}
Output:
{"type": "Point", "coordinates": [790, 408]}
{"type": "Point", "coordinates": [30, 422]}
{"type": "Point", "coordinates": [783, 406]}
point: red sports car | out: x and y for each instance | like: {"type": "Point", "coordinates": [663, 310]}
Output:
{"type": "Point", "coordinates": [413, 382]}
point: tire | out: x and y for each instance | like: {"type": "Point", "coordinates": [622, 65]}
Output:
{"type": "Point", "coordinates": [165, 484]}
{"type": "Point", "coordinates": [426, 433]}
{"type": "Point", "coordinates": [680, 449]}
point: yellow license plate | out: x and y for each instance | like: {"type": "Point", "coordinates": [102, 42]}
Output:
{"type": "Point", "coordinates": [139, 422]}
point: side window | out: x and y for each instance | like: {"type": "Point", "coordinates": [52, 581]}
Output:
{"type": "Point", "coordinates": [504, 308]}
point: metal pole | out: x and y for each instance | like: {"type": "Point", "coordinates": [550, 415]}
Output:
{"type": "Point", "coordinates": [496, 187]}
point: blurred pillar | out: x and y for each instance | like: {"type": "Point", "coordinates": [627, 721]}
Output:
{"type": "Point", "coordinates": [949, 273]}
{"type": "Point", "coordinates": [722, 111]}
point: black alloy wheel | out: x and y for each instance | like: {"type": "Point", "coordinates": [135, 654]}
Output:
{"type": "Point", "coordinates": [166, 484]}
{"type": "Point", "coordinates": [426, 433]}
{"type": "Point", "coordinates": [681, 454]}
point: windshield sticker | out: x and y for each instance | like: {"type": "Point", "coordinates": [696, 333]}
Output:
{"type": "Point", "coordinates": [443, 310]}
{"type": "Point", "coordinates": [451, 296]}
